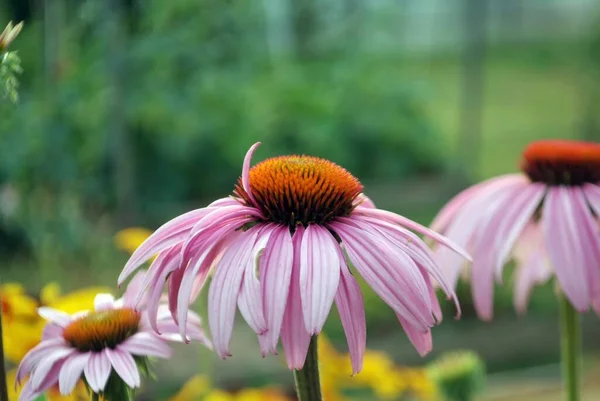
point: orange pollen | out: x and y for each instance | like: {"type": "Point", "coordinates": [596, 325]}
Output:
{"type": "Point", "coordinates": [296, 190]}
{"type": "Point", "coordinates": [562, 162]}
{"type": "Point", "coordinates": [105, 329]}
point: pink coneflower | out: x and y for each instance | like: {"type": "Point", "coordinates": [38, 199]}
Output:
{"type": "Point", "coordinates": [545, 218]}
{"type": "Point", "coordinates": [281, 248]}
{"type": "Point", "coordinates": [115, 337]}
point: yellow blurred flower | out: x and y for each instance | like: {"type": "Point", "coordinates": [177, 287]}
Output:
{"type": "Point", "coordinates": [199, 387]}
{"type": "Point", "coordinates": [379, 374]}
{"type": "Point", "coordinates": [129, 239]}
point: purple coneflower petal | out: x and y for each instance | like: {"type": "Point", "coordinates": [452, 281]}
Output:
{"type": "Point", "coordinates": [135, 288]}
{"type": "Point", "coordinates": [590, 241]}
{"type": "Point", "coordinates": [275, 275]}
{"type": "Point", "coordinates": [350, 305]}
{"type": "Point", "coordinates": [57, 317]}
{"type": "Point", "coordinates": [535, 271]}
{"type": "Point", "coordinates": [516, 216]}
{"type": "Point", "coordinates": [97, 371]}
{"type": "Point", "coordinates": [225, 287]}
{"type": "Point", "coordinates": [378, 265]}
{"type": "Point", "coordinates": [403, 221]}
{"type": "Point", "coordinates": [294, 337]}
{"type": "Point", "coordinates": [421, 340]}
{"type": "Point", "coordinates": [250, 297]}
{"type": "Point", "coordinates": [167, 235]}
{"type": "Point", "coordinates": [319, 276]}
{"type": "Point", "coordinates": [563, 242]}
{"type": "Point", "coordinates": [246, 171]}
{"type": "Point", "coordinates": [35, 355]}
{"type": "Point", "coordinates": [168, 265]}
{"type": "Point", "coordinates": [30, 392]}
{"type": "Point", "coordinates": [146, 344]}
{"type": "Point", "coordinates": [71, 371]}
{"type": "Point", "coordinates": [52, 358]}
{"type": "Point", "coordinates": [124, 364]}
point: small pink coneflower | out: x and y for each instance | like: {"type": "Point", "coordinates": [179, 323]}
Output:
{"type": "Point", "coordinates": [106, 347]}
{"type": "Point", "coordinates": [281, 248]}
{"type": "Point", "coordinates": [545, 218]}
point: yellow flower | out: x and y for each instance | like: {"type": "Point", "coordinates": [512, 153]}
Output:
{"type": "Point", "coordinates": [53, 394]}
{"type": "Point", "coordinates": [129, 239]}
{"type": "Point", "coordinates": [72, 302]}
{"type": "Point", "coordinates": [198, 387]}
{"type": "Point", "coordinates": [16, 304]}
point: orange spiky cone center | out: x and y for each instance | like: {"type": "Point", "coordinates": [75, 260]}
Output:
{"type": "Point", "coordinates": [562, 162]}
{"type": "Point", "coordinates": [105, 329]}
{"type": "Point", "coordinates": [296, 190]}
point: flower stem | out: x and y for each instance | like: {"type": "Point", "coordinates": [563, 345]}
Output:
{"type": "Point", "coordinates": [570, 349]}
{"type": "Point", "coordinates": [3, 386]}
{"type": "Point", "coordinates": [308, 385]}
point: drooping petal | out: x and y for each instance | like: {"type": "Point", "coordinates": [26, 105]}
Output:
{"type": "Point", "coordinates": [412, 225]}
{"type": "Point", "coordinates": [97, 371]}
{"type": "Point", "coordinates": [169, 234]}
{"type": "Point", "coordinates": [170, 263]}
{"type": "Point", "coordinates": [536, 270]}
{"type": "Point", "coordinates": [275, 274]}
{"type": "Point", "coordinates": [563, 242]}
{"type": "Point", "coordinates": [420, 339]}
{"type": "Point", "coordinates": [379, 266]}
{"type": "Point", "coordinates": [103, 302]}
{"type": "Point", "coordinates": [224, 289]}
{"type": "Point", "coordinates": [590, 242]}
{"type": "Point", "coordinates": [294, 337]}
{"type": "Point", "coordinates": [55, 316]}
{"type": "Point", "coordinates": [246, 171]}
{"type": "Point", "coordinates": [71, 371]}
{"type": "Point", "coordinates": [31, 391]}
{"type": "Point", "coordinates": [36, 354]}
{"type": "Point", "coordinates": [45, 365]}
{"type": "Point", "coordinates": [250, 298]}
{"type": "Point", "coordinates": [134, 288]}
{"type": "Point", "coordinates": [124, 364]}
{"type": "Point", "coordinates": [350, 305]}
{"type": "Point", "coordinates": [146, 344]}
{"type": "Point", "coordinates": [319, 276]}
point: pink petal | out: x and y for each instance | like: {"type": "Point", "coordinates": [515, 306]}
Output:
{"type": "Point", "coordinates": [135, 287]}
{"type": "Point", "coordinates": [516, 217]}
{"type": "Point", "coordinates": [275, 274]}
{"type": "Point", "coordinates": [52, 331]}
{"type": "Point", "coordinates": [124, 364]}
{"type": "Point", "coordinates": [103, 302]}
{"type": "Point", "coordinates": [250, 298]}
{"type": "Point", "coordinates": [225, 287]}
{"type": "Point", "coordinates": [43, 368]}
{"type": "Point", "coordinates": [590, 241]}
{"type": "Point", "coordinates": [97, 371]}
{"type": "Point", "coordinates": [294, 337]}
{"type": "Point", "coordinates": [319, 276]}
{"type": "Point", "coordinates": [146, 344]}
{"type": "Point", "coordinates": [174, 285]}
{"type": "Point", "coordinates": [169, 264]}
{"type": "Point", "coordinates": [55, 316]}
{"type": "Point", "coordinates": [364, 201]}
{"type": "Point", "coordinates": [169, 234]}
{"type": "Point", "coordinates": [412, 225]}
{"type": "Point", "coordinates": [246, 171]}
{"type": "Point", "coordinates": [70, 372]}
{"type": "Point", "coordinates": [385, 270]}
{"type": "Point", "coordinates": [36, 354]}
{"type": "Point", "coordinates": [455, 205]}
{"type": "Point", "coordinates": [199, 268]}
{"type": "Point", "coordinates": [420, 339]}
{"type": "Point", "coordinates": [563, 242]}
{"type": "Point", "coordinates": [351, 308]}
{"type": "Point", "coordinates": [31, 392]}
{"type": "Point", "coordinates": [535, 271]}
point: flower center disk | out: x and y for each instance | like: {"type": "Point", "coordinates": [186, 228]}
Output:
{"type": "Point", "coordinates": [562, 162]}
{"type": "Point", "coordinates": [99, 330]}
{"type": "Point", "coordinates": [296, 190]}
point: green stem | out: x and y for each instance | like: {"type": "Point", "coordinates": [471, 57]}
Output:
{"type": "Point", "coordinates": [570, 349]}
{"type": "Point", "coordinates": [308, 385]}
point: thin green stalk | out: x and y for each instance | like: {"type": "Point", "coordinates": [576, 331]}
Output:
{"type": "Point", "coordinates": [308, 384]}
{"type": "Point", "coordinates": [570, 349]}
